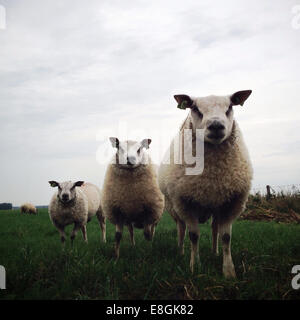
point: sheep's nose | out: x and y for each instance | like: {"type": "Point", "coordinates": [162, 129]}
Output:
{"type": "Point", "coordinates": [131, 160]}
{"type": "Point", "coordinates": [216, 126]}
{"type": "Point", "coordinates": [65, 197]}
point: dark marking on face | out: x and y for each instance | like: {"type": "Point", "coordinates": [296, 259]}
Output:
{"type": "Point", "coordinates": [225, 144]}
{"type": "Point", "coordinates": [226, 238]}
{"type": "Point", "coordinates": [118, 236]}
{"type": "Point", "coordinates": [229, 111]}
{"type": "Point", "coordinates": [197, 112]}
{"type": "Point", "coordinates": [193, 237]}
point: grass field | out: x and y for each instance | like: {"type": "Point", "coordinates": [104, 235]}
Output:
{"type": "Point", "coordinates": [37, 267]}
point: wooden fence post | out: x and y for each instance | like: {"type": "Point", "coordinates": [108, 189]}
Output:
{"type": "Point", "coordinates": [269, 195]}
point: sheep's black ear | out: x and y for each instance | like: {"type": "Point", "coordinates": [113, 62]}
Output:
{"type": "Point", "coordinates": [146, 143]}
{"type": "Point", "coordinates": [78, 183]}
{"type": "Point", "coordinates": [183, 101]}
{"type": "Point", "coordinates": [114, 142]}
{"type": "Point", "coordinates": [240, 97]}
{"type": "Point", "coordinates": [53, 183]}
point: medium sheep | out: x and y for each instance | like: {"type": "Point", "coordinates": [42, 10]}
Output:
{"type": "Point", "coordinates": [75, 203]}
{"type": "Point", "coordinates": [222, 189]}
{"type": "Point", "coordinates": [28, 208]}
{"type": "Point", "coordinates": [131, 195]}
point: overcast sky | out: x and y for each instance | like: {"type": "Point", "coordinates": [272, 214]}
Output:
{"type": "Point", "coordinates": [73, 73]}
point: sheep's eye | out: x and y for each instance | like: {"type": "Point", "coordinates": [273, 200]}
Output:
{"type": "Point", "coordinates": [139, 151]}
{"type": "Point", "coordinates": [229, 111]}
{"type": "Point", "coordinates": [196, 110]}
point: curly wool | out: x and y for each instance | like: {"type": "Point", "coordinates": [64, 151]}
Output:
{"type": "Point", "coordinates": [227, 174]}
{"type": "Point", "coordinates": [132, 196]}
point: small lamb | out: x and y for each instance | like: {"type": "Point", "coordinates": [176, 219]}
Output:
{"type": "Point", "coordinates": [75, 202]}
{"type": "Point", "coordinates": [28, 208]}
{"type": "Point", "coordinates": [131, 195]}
{"type": "Point", "coordinates": [222, 189]}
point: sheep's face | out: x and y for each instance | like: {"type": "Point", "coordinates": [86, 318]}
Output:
{"type": "Point", "coordinates": [66, 190]}
{"type": "Point", "coordinates": [214, 114]}
{"type": "Point", "coordinates": [130, 154]}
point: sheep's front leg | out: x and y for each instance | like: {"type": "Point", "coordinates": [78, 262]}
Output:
{"type": "Point", "coordinates": [130, 229]}
{"type": "Point", "coordinates": [102, 224]}
{"type": "Point", "coordinates": [225, 234]}
{"type": "Point", "coordinates": [103, 229]}
{"type": "Point", "coordinates": [181, 228]}
{"type": "Point", "coordinates": [194, 238]}
{"type": "Point", "coordinates": [152, 230]}
{"type": "Point", "coordinates": [148, 234]}
{"type": "Point", "coordinates": [61, 230]}
{"type": "Point", "coordinates": [118, 237]}
{"type": "Point", "coordinates": [77, 227]}
{"type": "Point", "coordinates": [84, 233]}
{"type": "Point", "coordinates": [62, 233]}
{"type": "Point", "coordinates": [215, 236]}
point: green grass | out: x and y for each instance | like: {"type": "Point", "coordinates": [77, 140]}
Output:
{"type": "Point", "coordinates": [38, 268]}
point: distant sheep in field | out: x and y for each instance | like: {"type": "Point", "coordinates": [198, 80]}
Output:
{"type": "Point", "coordinates": [131, 195]}
{"type": "Point", "coordinates": [28, 208]}
{"type": "Point", "coordinates": [75, 202]}
{"type": "Point", "coordinates": [222, 189]}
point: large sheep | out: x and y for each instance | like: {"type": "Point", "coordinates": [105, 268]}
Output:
{"type": "Point", "coordinates": [131, 195]}
{"type": "Point", "coordinates": [28, 208]}
{"type": "Point", "coordinates": [75, 202]}
{"type": "Point", "coordinates": [222, 189]}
